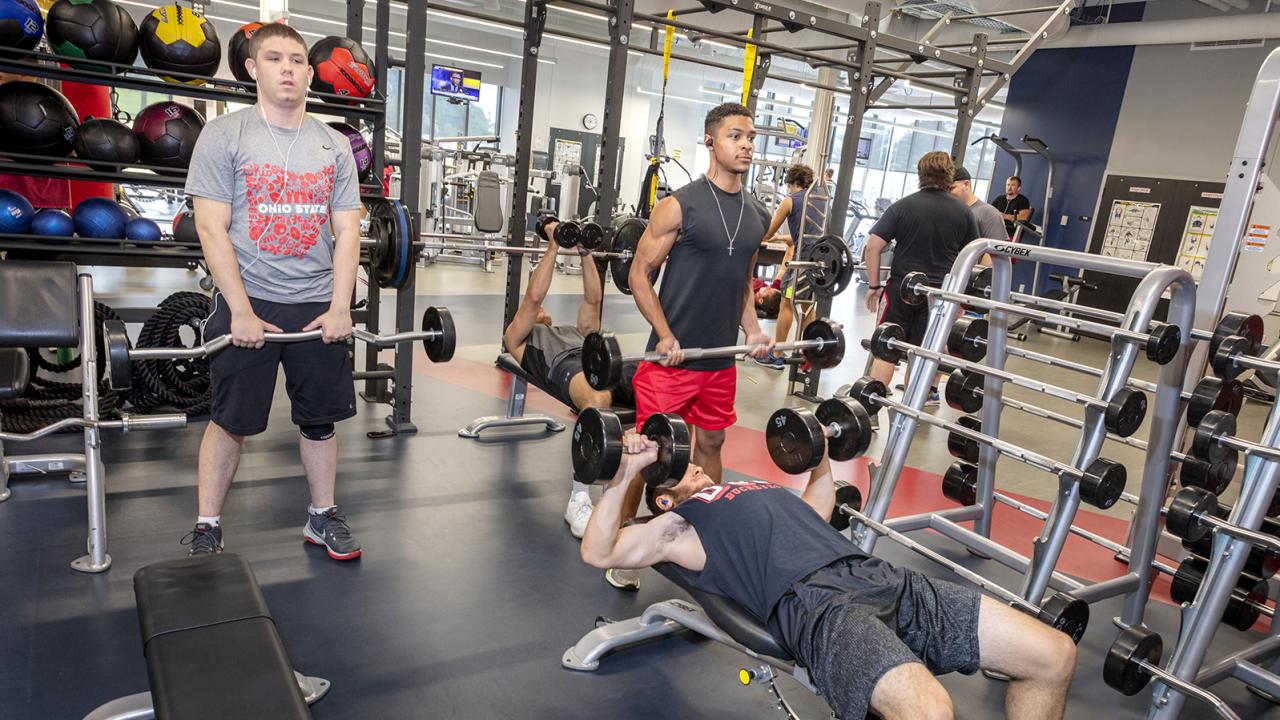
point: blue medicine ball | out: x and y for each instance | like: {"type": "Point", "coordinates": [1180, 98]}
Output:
{"type": "Point", "coordinates": [52, 222]}
{"type": "Point", "coordinates": [21, 26]}
{"type": "Point", "coordinates": [15, 213]}
{"type": "Point", "coordinates": [99, 218]}
{"type": "Point", "coordinates": [142, 230]}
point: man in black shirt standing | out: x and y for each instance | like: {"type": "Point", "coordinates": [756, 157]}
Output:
{"type": "Point", "coordinates": [930, 227]}
{"type": "Point", "coordinates": [1014, 207]}
{"type": "Point", "coordinates": [872, 636]}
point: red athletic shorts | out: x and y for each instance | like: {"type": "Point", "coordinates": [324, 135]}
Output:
{"type": "Point", "coordinates": [704, 398]}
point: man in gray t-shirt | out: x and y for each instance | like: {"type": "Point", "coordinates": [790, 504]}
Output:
{"type": "Point", "coordinates": [990, 222]}
{"type": "Point", "coordinates": [277, 208]}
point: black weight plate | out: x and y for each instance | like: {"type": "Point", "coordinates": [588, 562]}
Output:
{"type": "Point", "coordinates": [960, 483]}
{"type": "Point", "coordinates": [865, 390]}
{"type": "Point", "coordinates": [1209, 394]}
{"type": "Point", "coordinates": [1067, 614]}
{"type": "Point", "coordinates": [1242, 612]}
{"type": "Point", "coordinates": [845, 495]}
{"type": "Point", "coordinates": [963, 448]}
{"type": "Point", "coordinates": [591, 236]}
{"type": "Point", "coordinates": [402, 236]}
{"type": "Point", "coordinates": [793, 437]}
{"type": "Point", "coordinates": [382, 226]}
{"type": "Point", "coordinates": [568, 234]}
{"type": "Point", "coordinates": [1186, 581]}
{"type": "Point", "coordinates": [1187, 511]}
{"type": "Point", "coordinates": [967, 339]}
{"type": "Point", "coordinates": [1214, 477]}
{"type": "Point", "coordinates": [963, 391]}
{"type": "Point", "coordinates": [979, 283]}
{"type": "Point", "coordinates": [1102, 482]}
{"type": "Point", "coordinates": [115, 344]}
{"type": "Point", "coordinates": [540, 226]}
{"type": "Point", "coordinates": [907, 291]}
{"type": "Point", "coordinates": [1125, 412]}
{"type": "Point", "coordinates": [1249, 327]}
{"type": "Point", "coordinates": [597, 445]}
{"type": "Point", "coordinates": [832, 350]}
{"type": "Point", "coordinates": [882, 345]}
{"type": "Point", "coordinates": [1122, 669]}
{"type": "Point", "coordinates": [439, 347]}
{"type": "Point", "coordinates": [671, 434]}
{"type": "Point", "coordinates": [1223, 360]}
{"type": "Point", "coordinates": [854, 436]}
{"type": "Point", "coordinates": [626, 239]}
{"type": "Point", "coordinates": [1215, 424]}
{"type": "Point", "coordinates": [835, 270]}
{"type": "Point", "coordinates": [602, 360]}
{"type": "Point", "coordinates": [1163, 343]}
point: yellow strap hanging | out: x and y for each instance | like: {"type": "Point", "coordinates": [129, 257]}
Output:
{"type": "Point", "coordinates": [667, 40]}
{"type": "Point", "coordinates": [748, 66]}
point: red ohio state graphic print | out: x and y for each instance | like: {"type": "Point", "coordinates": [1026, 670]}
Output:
{"type": "Point", "coordinates": [286, 214]}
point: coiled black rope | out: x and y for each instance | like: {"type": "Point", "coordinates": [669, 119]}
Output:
{"type": "Point", "coordinates": [180, 385]}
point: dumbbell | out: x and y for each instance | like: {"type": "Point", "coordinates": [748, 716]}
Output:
{"type": "Point", "coordinates": [846, 494]}
{"type": "Point", "coordinates": [960, 483]}
{"type": "Point", "coordinates": [1247, 601]}
{"type": "Point", "coordinates": [964, 447]}
{"type": "Point", "coordinates": [822, 344]}
{"type": "Point", "coordinates": [1235, 354]}
{"type": "Point", "coordinates": [1122, 415]}
{"type": "Point", "coordinates": [1101, 484]}
{"type": "Point", "coordinates": [1211, 476]}
{"type": "Point", "coordinates": [438, 336]}
{"type": "Point", "coordinates": [597, 447]}
{"type": "Point", "coordinates": [1215, 440]}
{"type": "Point", "coordinates": [795, 437]}
{"type": "Point", "coordinates": [1261, 562]}
{"type": "Point", "coordinates": [1194, 513]}
{"type": "Point", "coordinates": [567, 233]}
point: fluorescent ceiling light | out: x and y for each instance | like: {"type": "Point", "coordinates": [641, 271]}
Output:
{"type": "Point", "coordinates": [698, 101]}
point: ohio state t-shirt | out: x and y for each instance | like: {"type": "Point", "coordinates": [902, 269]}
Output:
{"type": "Point", "coordinates": [282, 184]}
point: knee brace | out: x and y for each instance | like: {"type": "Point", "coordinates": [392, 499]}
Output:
{"type": "Point", "coordinates": [317, 433]}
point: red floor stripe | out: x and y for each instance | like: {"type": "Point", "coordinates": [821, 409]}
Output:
{"type": "Point", "coordinates": [918, 491]}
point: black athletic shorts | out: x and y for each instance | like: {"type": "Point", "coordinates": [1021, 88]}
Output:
{"type": "Point", "coordinates": [856, 619]}
{"type": "Point", "coordinates": [316, 376]}
{"type": "Point", "coordinates": [913, 318]}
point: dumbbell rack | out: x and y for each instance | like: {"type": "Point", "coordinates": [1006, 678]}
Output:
{"type": "Point", "coordinates": [169, 255]}
{"type": "Point", "coordinates": [1199, 621]}
{"type": "Point", "coordinates": [1155, 281]}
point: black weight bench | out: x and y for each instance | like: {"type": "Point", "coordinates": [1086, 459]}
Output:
{"type": "Point", "coordinates": [516, 415]}
{"type": "Point", "coordinates": [212, 648]}
{"type": "Point", "coordinates": [712, 616]}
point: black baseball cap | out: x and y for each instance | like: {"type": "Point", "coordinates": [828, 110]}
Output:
{"type": "Point", "coordinates": [962, 174]}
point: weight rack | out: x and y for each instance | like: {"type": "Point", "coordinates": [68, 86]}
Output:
{"type": "Point", "coordinates": [1039, 569]}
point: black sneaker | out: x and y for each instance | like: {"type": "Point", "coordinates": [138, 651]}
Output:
{"type": "Point", "coordinates": [331, 530]}
{"type": "Point", "coordinates": [205, 539]}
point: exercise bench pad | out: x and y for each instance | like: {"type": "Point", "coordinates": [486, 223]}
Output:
{"type": "Point", "coordinates": [38, 306]}
{"type": "Point", "coordinates": [211, 644]}
{"type": "Point", "coordinates": [508, 362]}
{"type": "Point", "coordinates": [15, 372]}
{"type": "Point", "coordinates": [732, 618]}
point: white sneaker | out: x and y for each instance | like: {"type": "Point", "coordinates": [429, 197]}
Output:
{"type": "Point", "coordinates": [623, 579]}
{"type": "Point", "coordinates": [578, 512]}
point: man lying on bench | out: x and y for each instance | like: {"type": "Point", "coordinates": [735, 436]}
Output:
{"type": "Point", "coordinates": [551, 355]}
{"type": "Point", "coordinates": [870, 635]}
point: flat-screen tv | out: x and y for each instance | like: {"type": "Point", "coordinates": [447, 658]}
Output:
{"type": "Point", "coordinates": [864, 148]}
{"type": "Point", "coordinates": [455, 83]}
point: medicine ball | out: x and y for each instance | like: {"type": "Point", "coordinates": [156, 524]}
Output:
{"type": "Point", "coordinates": [99, 218]}
{"type": "Point", "coordinates": [184, 228]}
{"type": "Point", "coordinates": [54, 223]}
{"type": "Point", "coordinates": [167, 133]}
{"type": "Point", "coordinates": [359, 148]}
{"type": "Point", "coordinates": [21, 26]}
{"type": "Point", "coordinates": [174, 38]}
{"type": "Point", "coordinates": [16, 213]}
{"type": "Point", "coordinates": [92, 30]}
{"type": "Point", "coordinates": [142, 230]}
{"type": "Point", "coordinates": [238, 51]}
{"type": "Point", "coordinates": [35, 119]}
{"type": "Point", "coordinates": [106, 140]}
{"type": "Point", "coordinates": [342, 67]}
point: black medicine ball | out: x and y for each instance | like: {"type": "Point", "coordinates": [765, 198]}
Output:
{"type": "Point", "coordinates": [35, 119]}
{"type": "Point", "coordinates": [106, 140]}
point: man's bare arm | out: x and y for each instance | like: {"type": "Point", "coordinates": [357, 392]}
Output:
{"type": "Point", "coordinates": [655, 244]}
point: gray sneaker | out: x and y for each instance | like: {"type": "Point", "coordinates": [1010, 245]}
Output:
{"type": "Point", "coordinates": [331, 530]}
{"type": "Point", "coordinates": [623, 579]}
{"type": "Point", "coordinates": [205, 539]}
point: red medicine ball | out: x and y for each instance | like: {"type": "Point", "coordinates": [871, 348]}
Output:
{"type": "Point", "coordinates": [342, 67]}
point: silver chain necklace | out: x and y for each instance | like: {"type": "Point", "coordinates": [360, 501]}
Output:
{"type": "Point", "coordinates": [723, 221]}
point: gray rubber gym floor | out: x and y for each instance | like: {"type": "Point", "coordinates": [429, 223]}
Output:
{"type": "Point", "coordinates": [471, 586]}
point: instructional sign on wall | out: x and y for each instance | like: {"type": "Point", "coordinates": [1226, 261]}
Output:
{"type": "Point", "coordinates": [567, 152]}
{"type": "Point", "coordinates": [1131, 227]}
{"type": "Point", "coordinates": [1196, 234]}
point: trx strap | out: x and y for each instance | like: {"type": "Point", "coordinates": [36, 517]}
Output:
{"type": "Point", "coordinates": [649, 186]}
{"type": "Point", "coordinates": [748, 66]}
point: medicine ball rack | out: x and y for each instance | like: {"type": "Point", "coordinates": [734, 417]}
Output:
{"type": "Point", "coordinates": [1165, 411]}
{"type": "Point", "coordinates": [169, 254]}
{"type": "Point", "coordinates": [872, 61]}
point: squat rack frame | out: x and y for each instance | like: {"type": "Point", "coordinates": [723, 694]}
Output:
{"type": "Point", "coordinates": [871, 59]}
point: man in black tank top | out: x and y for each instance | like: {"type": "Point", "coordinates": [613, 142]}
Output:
{"type": "Point", "coordinates": [552, 357]}
{"type": "Point", "coordinates": [872, 636]}
{"type": "Point", "coordinates": [707, 234]}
